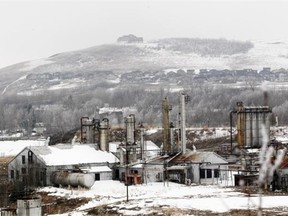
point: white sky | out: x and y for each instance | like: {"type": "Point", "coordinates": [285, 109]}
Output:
{"type": "Point", "coordinates": [37, 29]}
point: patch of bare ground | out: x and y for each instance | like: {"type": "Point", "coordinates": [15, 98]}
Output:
{"type": "Point", "coordinates": [104, 210]}
{"type": "Point", "coordinates": [59, 205]}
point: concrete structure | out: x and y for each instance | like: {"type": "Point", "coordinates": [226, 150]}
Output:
{"type": "Point", "coordinates": [29, 207]}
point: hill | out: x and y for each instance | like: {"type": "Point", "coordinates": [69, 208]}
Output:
{"type": "Point", "coordinates": [62, 88]}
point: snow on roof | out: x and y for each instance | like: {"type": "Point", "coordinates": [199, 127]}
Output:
{"type": "Point", "coordinates": [151, 131]}
{"type": "Point", "coordinates": [12, 148]}
{"type": "Point", "coordinates": [66, 154]}
{"type": "Point", "coordinates": [96, 169]}
{"type": "Point", "coordinates": [152, 149]}
{"type": "Point", "coordinates": [151, 146]}
{"type": "Point", "coordinates": [113, 146]}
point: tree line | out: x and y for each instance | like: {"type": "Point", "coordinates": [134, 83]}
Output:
{"type": "Point", "coordinates": [61, 111]}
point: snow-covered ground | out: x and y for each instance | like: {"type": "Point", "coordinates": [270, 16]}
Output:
{"type": "Point", "coordinates": [147, 197]}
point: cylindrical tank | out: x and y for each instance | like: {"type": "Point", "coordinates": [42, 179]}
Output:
{"type": "Point", "coordinates": [90, 131]}
{"type": "Point", "coordinates": [130, 129]}
{"type": "Point", "coordinates": [72, 179]}
{"type": "Point", "coordinates": [250, 120]}
{"type": "Point", "coordinates": [29, 206]}
{"type": "Point", "coordinates": [103, 134]}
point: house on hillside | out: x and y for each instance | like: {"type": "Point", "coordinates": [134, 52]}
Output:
{"type": "Point", "coordinates": [34, 165]}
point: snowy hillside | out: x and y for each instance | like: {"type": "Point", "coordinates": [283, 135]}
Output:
{"type": "Point", "coordinates": [112, 60]}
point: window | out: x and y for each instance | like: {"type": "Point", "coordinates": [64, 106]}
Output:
{"type": "Point", "coordinates": [23, 159]}
{"type": "Point", "coordinates": [216, 173]}
{"type": "Point", "coordinates": [17, 174]}
{"type": "Point", "coordinates": [202, 173]}
{"type": "Point", "coordinates": [30, 157]}
{"type": "Point", "coordinates": [209, 173]}
{"type": "Point", "coordinates": [97, 176]}
{"type": "Point", "coordinates": [12, 174]}
{"type": "Point", "coordinates": [23, 171]}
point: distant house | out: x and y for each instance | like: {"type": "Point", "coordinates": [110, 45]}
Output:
{"type": "Point", "coordinates": [35, 165]}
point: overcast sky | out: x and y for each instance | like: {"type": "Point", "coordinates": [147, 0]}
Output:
{"type": "Point", "coordinates": [37, 29]}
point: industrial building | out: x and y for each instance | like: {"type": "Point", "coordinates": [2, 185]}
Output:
{"type": "Point", "coordinates": [35, 165]}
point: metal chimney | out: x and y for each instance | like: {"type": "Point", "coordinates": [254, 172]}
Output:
{"type": "Point", "coordinates": [172, 138]}
{"type": "Point", "coordinates": [88, 130]}
{"type": "Point", "coordinates": [130, 139]}
{"type": "Point", "coordinates": [103, 134]}
{"type": "Point", "coordinates": [183, 100]}
{"type": "Point", "coordinates": [166, 138]}
{"type": "Point", "coordinates": [143, 150]}
{"type": "Point", "coordinates": [130, 129]}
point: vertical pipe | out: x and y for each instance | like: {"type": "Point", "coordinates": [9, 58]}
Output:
{"type": "Point", "coordinates": [130, 129]}
{"type": "Point", "coordinates": [231, 136]}
{"type": "Point", "coordinates": [172, 141]}
{"type": "Point", "coordinates": [103, 134]}
{"type": "Point", "coordinates": [183, 122]}
{"type": "Point", "coordinates": [165, 113]}
{"type": "Point", "coordinates": [143, 152]}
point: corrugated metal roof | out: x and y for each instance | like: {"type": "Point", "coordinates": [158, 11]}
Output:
{"type": "Point", "coordinates": [284, 164]}
{"type": "Point", "coordinates": [200, 157]}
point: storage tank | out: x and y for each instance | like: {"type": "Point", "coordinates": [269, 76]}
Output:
{"type": "Point", "coordinates": [130, 129]}
{"type": "Point", "coordinates": [250, 121]}
{"type": "Point", "coordinates": [73, 179]}
{"type": "Point", "coordinates": [103, 134]}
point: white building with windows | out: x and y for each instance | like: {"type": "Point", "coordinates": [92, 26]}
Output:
{"type": "Point", "coordinates": [34, 165]}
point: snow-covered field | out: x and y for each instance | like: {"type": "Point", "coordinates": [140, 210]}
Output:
{"type": "Point", "coordinates": [144, 199]}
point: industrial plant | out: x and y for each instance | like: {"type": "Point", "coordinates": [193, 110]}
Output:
{"type": "Point", "coordinates": [133, 159]}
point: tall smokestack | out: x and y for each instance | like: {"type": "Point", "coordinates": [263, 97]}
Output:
{"type": "Point", "coordinates": [130, 138]}
{"type": "Point", "coordinates": [103, 134]}
{"type": "Point", "coordinates": [130, 129]}
{"type": "Point", "coordinates": [172, 139]}
{"type": "Point", "coordinates": [165, 111]}
{"type": "Point", "coordinates": [183, 100]}
{"type": "Point", "coordinates": [143, 150]}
